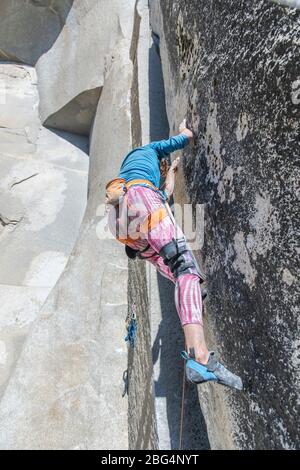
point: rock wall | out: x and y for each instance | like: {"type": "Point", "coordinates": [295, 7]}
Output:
{"type": "Point", "coordinates": [66, 389]}
{"type": "Point", "coordinates": [141, 411]}
{"type": "Point", "coordinates": [30, 28]}
{"type": "Point", "coordinates": [71, 44]}
{"type": "Point", "coordinates": [72, 73]}
{"type": "Point", "coordinates": [42, 200]}
{"type": "Point", "coordinates": [232, 68]}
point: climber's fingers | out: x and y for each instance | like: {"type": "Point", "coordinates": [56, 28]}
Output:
{"type": "Point", "coordinates": [182, 125]}
{"type": "Point", "coordinates": [175, 164]}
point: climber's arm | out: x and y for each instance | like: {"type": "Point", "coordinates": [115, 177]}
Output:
{"type": "Point", "coordinates": [170, 179]}
{"type": "Point", "coordinates": [177, 142]}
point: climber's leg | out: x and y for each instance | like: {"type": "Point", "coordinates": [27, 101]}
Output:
{"type": "Point", "coordinates": [157, 261]}
{"type": "Point", "coordinates": [201, 365]}
{"type": "Point", "coordinates": [159, 264]}
{"type": "Point", "coordinates": [141, 202]}
{"type": "Point", "coordinates": [189, 307]}
{"type": "Point", "coordinates": [187, 289]}
{"type": "Point", "coordinates": [188, 304]}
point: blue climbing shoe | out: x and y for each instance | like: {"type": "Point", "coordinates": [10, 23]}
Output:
{"type": "Point", "coordinates": [214, 371]}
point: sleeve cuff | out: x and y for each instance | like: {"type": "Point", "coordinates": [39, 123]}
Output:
{"type": "Point", "coordinates": [186, 138]}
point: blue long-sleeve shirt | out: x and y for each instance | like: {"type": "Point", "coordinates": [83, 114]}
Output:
{"type": "Point", "coordinates": [144, 162]}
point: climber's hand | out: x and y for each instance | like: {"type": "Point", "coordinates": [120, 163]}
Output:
{"type": "Point", "coordinates": [182, 125]}
{"type": "Point", "coordinates": [184, 130]}
{"type": "Point", "coordinates": [170, 179]}
{"type": "Point", "coordinates": [175, 164]}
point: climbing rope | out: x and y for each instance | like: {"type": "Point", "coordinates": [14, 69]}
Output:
{"type": "Point", "coordinates": [182, 407]}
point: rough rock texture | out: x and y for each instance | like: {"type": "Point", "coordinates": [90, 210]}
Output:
{"type": "Point", "coordinates": [29, 28]}
{"type": "Point", "coordinates": [66, 390]}
{"type": "Point", "coordinates": [233, 68]}
{"type": "Point", "coordinates": [141, 413]}
{"type": "Point", "coordinates": [289, 3]}
{"type": "Point", "coordinates": [43, 191]}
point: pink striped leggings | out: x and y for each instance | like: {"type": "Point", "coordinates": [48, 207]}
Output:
{"type": "Point", "coordinates": [139, 202]}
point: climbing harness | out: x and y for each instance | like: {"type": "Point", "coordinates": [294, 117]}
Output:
{"type": "Point", "coordinates": [174, 254]}
{"type": "Point", "coordinates": [181, 248]}
{"type": "Point", "coordinates": [116, 191]}
{"type": "Point", "coordinates": [131, 326]}
{"type": "Point", "coordinates": [117, 188]}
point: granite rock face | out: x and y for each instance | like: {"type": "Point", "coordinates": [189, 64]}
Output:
{"type": "Point", "coordinates": [70, 42]}
{"type": "Point", "coordinates": [230, 66]}
{"type": "Point", "coordinates": [65, 391]}
{"type": "Point", "coordinates": [77, 115]}
{"type": "Point", "coordinates": [71, 74]}
{"type": "Point", "coordinates": [233, 68]}
{"type": "Point", "coordinates": [43, 191]}
{"type": "Point", "coordinates": [30, 28]}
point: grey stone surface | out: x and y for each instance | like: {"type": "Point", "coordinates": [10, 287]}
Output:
{"type": "Point", "coordinates": [66, 389]}
{"type": "Point", "coordinates": [142, 430]}
{"type": "Point", "coordinates": [71, 73]}
{"type": "Point", "coordinates": [77, 115]}
{"type": "Point", "coordinates": [71, 43]}
{"type": "Point", "coordinates": [43, 191]}
{"type": "Point", "coordinates": [232, 67]}
{"type": "Point", "coordinates": [18, 310]}
{"type": "Point", "coordinates": [30, 28]}
{"type": "Point", "coordinates": [289, 3]}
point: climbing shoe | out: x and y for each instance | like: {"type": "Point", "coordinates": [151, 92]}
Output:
{"type": "Point", "coordinates": [214, 371]}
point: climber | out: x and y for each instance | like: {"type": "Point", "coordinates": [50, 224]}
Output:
{"type": "Point", "coordinates": [141, 219]}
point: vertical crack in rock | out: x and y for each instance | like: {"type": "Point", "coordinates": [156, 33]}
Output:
{"type": "Point", "coordinates": [154, 408]}
{"type": "Point", "coordinates": [141, 414]}
{"type": "Point", "coordinates": [136, 130]}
